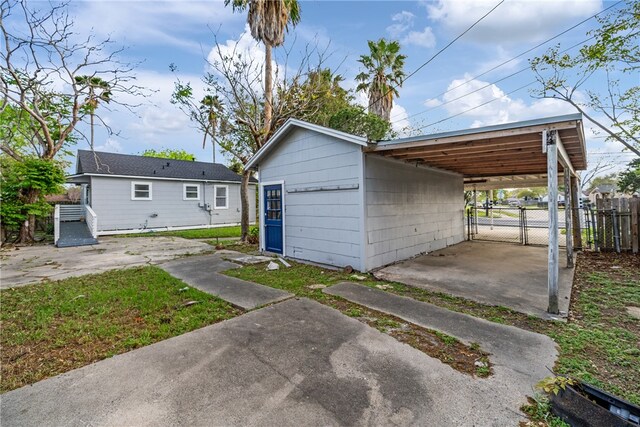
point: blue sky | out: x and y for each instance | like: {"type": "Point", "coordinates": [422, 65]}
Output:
{"type": "Point", "coordinates": [181, 32]}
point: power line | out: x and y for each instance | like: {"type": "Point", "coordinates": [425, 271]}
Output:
{"type": "Point", "coordinates": [452, 41]}
{"type": "Point", "coordinates": [480, 88]}
{"type": "Point", "coordinates": [392, 88]}
{"type": "Point", "coordinates": [477, 106]}
{"type": "Point", "coordinates": [529, 50]}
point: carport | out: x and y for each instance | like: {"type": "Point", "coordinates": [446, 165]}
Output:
{"type": "Point", "coordinates": [543, 152]}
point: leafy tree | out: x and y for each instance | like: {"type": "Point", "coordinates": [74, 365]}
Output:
{"type": "Point", "coordinates": [355, 120]}
{"type": "Point", "coordinates": [168, 153]}
{"type": "Point", "coordinates": [23, 186]}
{"type": "Point", "coordinates": [50, 82]}
{"type": "Point", "coordinates": [629, 180]}
{"type": "Point", "coordinates": [382, 77]}
{"type": "Point", "coordinates": [532, 192]}
{"type": "Point", "coordinates": [268, 21]}
{"type": "Point", "coordinates": [613, 52]}
{"type": "Point", "coordinates": [239, 109]}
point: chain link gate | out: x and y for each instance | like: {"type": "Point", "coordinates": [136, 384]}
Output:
{"type": "Point", "coordinates": [527, 225]}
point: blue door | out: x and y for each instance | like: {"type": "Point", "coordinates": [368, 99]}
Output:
{"type": "Point", "coordinates": [273, 218]}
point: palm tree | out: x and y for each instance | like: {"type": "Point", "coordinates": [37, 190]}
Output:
{"type": "Point", "coordinates": [383, 76]}
{"type": "Point", "coordinates": [98, 90]}
{"type": "Point", "coordinates": [268, 21]}
{"type": "Point", "coordinates": [211, 108]}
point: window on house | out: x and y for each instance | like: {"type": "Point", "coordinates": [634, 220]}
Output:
{"type": "Point", "coordinates": [191, 192]}
{"type": "Point", "coordinates": [140, 190]}
{"type": "Point", "coordinates": [221, 197]}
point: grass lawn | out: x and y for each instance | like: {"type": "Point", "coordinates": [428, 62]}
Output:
{"type": "Point", "coordinates": [51, 328]}
{"type": "Point", "coordinates": [198, 233]}
{"type": "Point", "coordinates": [299, 280]}
{"type": "Point", "coordinates": [598, 344]}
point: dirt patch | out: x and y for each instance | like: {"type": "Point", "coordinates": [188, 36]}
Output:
{"type": "Point", "coordinates": [469, 360]}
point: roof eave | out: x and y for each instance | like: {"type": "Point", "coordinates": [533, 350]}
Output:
{"type": "Point", "coordinates": [398, 143]}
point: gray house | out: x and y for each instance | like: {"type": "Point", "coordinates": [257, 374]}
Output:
{"type": "Point", "coordinates": [134, 193]}
{"type": "Point", "coordinates": [324, 199]}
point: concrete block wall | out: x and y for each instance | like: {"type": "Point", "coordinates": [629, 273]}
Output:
{"type": "Point", "coordinates": [409, 210]}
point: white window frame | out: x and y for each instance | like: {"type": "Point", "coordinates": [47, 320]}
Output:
{"type": "Point", "coordinates": [215, 197]}
{"type": "Point", "coordinates": [184, 192]}
{"type": "Point", "coordinates": [133, 190]}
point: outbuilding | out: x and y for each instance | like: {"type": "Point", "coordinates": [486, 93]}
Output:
{"type": "Point", "coordinates": [333, 198]}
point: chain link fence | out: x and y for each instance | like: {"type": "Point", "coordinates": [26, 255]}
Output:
{"type": "Point", "coordinates": [609, 225]}
{"type": "Point", "coordinates": [522, 225]}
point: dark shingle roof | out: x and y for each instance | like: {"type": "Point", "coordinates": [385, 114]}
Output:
{"type": "Point", "coordinates": [90, 162]}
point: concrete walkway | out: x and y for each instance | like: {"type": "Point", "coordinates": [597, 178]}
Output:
{"type": "Point", "coordinates": [202, 272]}
{"type": "Point", "coordinates": [521, 358]}
{"type": "Point", "coordinates": [290, 364]}
{"type": "Point", "coordinates": [33, 264]}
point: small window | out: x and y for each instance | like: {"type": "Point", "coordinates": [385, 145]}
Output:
{"type": "Point", "coordinates": [140, 190]}
{"type": "Point", "coordinates": [221, 197]}
{"type": "Point", "coordinates": [191, 192]}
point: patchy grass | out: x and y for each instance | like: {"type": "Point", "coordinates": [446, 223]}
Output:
{"type": "Point", "coordinates": [299, 280]}
{"type": "Point", "coordinates": [234, 245]}
{"type": "Point", "coordinates": [538, 410]}
{"type": "Point", "coordinates": [51, 328]}
{"type": "Point", "coordinates": [600, 342]}
{"type": "Point", "coordinates": [198, 233]}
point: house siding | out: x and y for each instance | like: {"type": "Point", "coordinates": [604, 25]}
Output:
{"type": "Point", "coordinates": [409, 210]}
{"type": "Point", "coordinates": [319, 226]}
{"type": "Point", "coordinates": [111, 201]}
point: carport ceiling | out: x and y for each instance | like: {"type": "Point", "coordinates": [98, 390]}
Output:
{"type": "Point", "coordinates": [513, 149]}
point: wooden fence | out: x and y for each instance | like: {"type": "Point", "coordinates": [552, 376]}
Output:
{"type": "Point", "coordinates": [617, 224]}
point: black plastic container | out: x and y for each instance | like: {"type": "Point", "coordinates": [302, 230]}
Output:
{"type": "Point", "coordinates": [583, 405]}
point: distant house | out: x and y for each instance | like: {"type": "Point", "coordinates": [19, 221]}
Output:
{"type": "Point", "coordinates": [137, 193]}
{"type": "Point", "coordinates": [604, 191]}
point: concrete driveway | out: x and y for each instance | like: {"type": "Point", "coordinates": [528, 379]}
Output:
{"type": "Point", "coordinates": [293, 363]}
{"type": "Point", "coordinates": [510, 275]}
{"type": "Point", "coordinates": [32, 264]}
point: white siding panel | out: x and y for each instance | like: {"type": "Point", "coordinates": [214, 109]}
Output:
{"type": "Point", "coordinates": [320, 226]}
{"type": "Point", "coordinates": [111, 200]}
{"type": "Point", "coordinates": [409, 210]}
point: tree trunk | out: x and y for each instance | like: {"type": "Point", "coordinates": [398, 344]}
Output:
{"type": "Point", "coordinates": [28, 226]}
{"type": "Point", "coordinates": [268, 89]}
{"type": "Point", "coordinates": [92, 131]}
{"type": "Point", "coordinates": [244, 204]}
{"type": "Point", "coordinates": [25, 237]}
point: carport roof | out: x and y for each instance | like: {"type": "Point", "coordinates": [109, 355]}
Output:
{"type": "Point", "coordinates": [506, 152]}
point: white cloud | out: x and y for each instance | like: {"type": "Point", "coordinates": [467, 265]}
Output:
{"type": "Point", "coordinates": [146, 22]}
{"type": "Point", "coordinates": [246, 49]}
{"type": "Point", "coordinates": [432, 103]}
{"type": "Point", "coordinates": [513, 21]}
{"type": "Point", "coordinates": [402, 21]}
{"type": "Point", "coordinates": [491, 105]}
{"type": "Point", "coordinates": [110, 146]}
{"type": "Point", "coordinates": [400, 120]}
{"type": "Point", "coordinates": [424, 38]}
{"type": "Point", "coordinates": [156, 119]}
